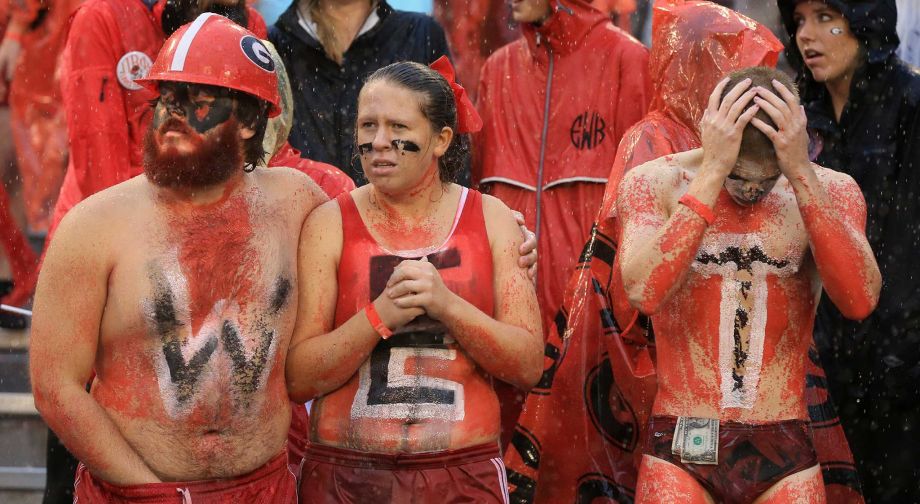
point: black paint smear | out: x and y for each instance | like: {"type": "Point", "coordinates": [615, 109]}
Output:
{"type": "Point", "coordinates": [382, 267]}
{"type": "Point", "coordinates": [612, 416]}
{"type": "Point", "coordinates": [200, 115]}
{"type": "Point", "coordinates": [405, 145]}
{"type": "Point", "coordinates": [183, 374]}
{"type": "Point", "coordinates": [246, 372]}
{"type": "Point", "coordinates": [743, 259]}
{"type": "Point", "coordinates": [741, 320]}
{"type": "Point", "coordinates": [280, 296]}
{"type": "Point", "coordinates": [597, 486]}
{"type": "Point", "coordinates": [398, 144]}
{"type": "Point", "coordinates": [381, 392]}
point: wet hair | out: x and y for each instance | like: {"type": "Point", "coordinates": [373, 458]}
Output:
{"type": "Point", "coordinates": [438, 106]}
{"type": "Point", "coordinates": [252, 113]}
{"type": "Point", "coordinates": [754, 143]}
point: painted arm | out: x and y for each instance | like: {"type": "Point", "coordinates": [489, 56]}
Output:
{"type": "Point", "coordinates": [508, 346]}
{"type": "Point", "coordinates": [322, 359]}
{"type": "Point", "coordinates": [836, 230]}
{"type": "Point", "coordinates": [832, 208]}
{"type": "Point", "coordinates": [656, 249]}
{"type": "Point", "coordinates": [64, 345]}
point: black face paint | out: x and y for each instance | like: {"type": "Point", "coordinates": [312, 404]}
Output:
{"type": "Point", "coordinates": [402, 146]}
{"type": "Point", "coordinates": [200, 114]}
{"type": "Point", "coordinates": [405, 146]}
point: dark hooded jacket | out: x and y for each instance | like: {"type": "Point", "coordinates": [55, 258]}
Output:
{"type": "Point", "coordinates": [874, 365]}
{"type": "Point", "coordinates": [326, 94]}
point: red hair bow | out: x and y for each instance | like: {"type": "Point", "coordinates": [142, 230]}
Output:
{"type": "Point", "coordinates": [468, 120]}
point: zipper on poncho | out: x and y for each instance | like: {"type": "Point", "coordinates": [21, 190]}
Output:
{"type": "Point", "coordinates": [549, 88]}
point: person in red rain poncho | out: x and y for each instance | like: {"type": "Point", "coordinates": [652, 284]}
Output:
{"type": "Point", "coordinates": [555, 104]}
{"type": "Point", "coordinates": [475, 29]}
{"type": "Point", "coordinates": [579, 435]}
{"type": "Point", "coordinates": [29, 57]}
{"type": "Point", "coordinates": [112, 43]}
{"type": "Point", "coordinates": [29, 54]}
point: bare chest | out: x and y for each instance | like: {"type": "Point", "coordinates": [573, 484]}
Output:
{"type": "Point", "coordinates": [206, 309]}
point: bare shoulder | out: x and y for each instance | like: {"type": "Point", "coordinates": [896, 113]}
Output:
{"type": "Point", "coordinates": [500, 222]}
{"type": "Point", "coordinates": [293, 190]}
{"type": "Point", "coordinates": [495, 209]}
{"type": "Point", "coordinates": [324, 221]}
{"type": "Point", "coordinates": [327, 212]}
{"type": "Point", "coordinates": [656, 174]}
{"type": "Point", "coordinates": [839, 186]}
{"type": "Point", "coordinates": [93, 223]}
{"type": "Point", "coordinates": [322, 234]}
{"type": "Point", "coordinates": [829, 177]}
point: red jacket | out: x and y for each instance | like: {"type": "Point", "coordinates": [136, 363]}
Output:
{"type": "Point", "coordinates": [110, 43]}
{"type": "Point", "coordinates": [592, 78]}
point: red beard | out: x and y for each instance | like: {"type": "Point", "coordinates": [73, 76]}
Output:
{"type": "Point", "coordinates": [218, 156]}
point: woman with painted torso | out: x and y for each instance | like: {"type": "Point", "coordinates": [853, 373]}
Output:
{"type": "Point", "coordinates": [415, 303]}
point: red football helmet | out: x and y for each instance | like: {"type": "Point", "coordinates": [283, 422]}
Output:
{"type": "Point", "coordinates": [216, 51]}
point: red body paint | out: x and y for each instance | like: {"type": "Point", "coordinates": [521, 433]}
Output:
{"type": "Point", "coordinates": [217, 257]}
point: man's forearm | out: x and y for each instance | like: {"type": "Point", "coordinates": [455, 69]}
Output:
{"type": "Point", "coordinates": [89, 433]}
{"type": "Point", "coordinates": [658, 268]}
{"type": "Point", "coordinates": [842, 254]}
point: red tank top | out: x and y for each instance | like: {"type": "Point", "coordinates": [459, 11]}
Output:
{"type": "Point", "coordinates": [464, 260]}
{"type": "Point", "coordinates": [420, 374]}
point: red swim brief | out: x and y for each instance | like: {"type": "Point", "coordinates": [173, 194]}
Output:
{"type": "Point", "coordinates": [334, 475]}
{"type": "Point", "coordinates": [272, 483]}
{"type": "Point", "coordinates": [752, 457]}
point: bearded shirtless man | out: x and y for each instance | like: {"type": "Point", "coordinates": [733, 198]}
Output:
{"type": "Point", "coordinates": [178, 290]}
{"type": "Point", "coordinates": [727, 247]}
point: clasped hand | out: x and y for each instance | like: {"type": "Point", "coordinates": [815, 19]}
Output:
{"type": "Point", "coordinates": [414, 288]}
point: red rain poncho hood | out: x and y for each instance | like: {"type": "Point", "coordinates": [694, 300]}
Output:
{"type": "Point", "coordinates": [695, 44]}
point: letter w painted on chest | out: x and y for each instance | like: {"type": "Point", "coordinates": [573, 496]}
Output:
{"type": "Point", "coordinates": [743, 264]}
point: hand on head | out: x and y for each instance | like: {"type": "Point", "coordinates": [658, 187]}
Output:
{"type": "Point", "coordinates": [723, 125]}
{"type": "Point", "coordinates": [789, 137]}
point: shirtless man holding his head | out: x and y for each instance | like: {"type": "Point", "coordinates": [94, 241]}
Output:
{"type": "Point", "coordinates": [727, 247]}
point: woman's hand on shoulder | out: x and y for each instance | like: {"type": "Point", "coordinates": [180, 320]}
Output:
{"type": "Point", "coordinates": [528, 249]}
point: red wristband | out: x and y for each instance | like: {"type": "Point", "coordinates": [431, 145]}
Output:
{"type": "Point", "coordinates": [374, 318]}
{"type": "Point", "coordinates": [15, 36]}
{"type": "Point", "coordinates": [698, 208]}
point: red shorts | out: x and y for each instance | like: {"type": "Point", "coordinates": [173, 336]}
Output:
{"type": "Point", "coordinates": [752, 457]}
{"type": "Point", "coordinates": [272, 483]}
{"type": "Point", "coordinates": [335, 475]}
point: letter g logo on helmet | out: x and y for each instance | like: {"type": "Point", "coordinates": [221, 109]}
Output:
{"type": "Point", "coordinates": [257, 53]}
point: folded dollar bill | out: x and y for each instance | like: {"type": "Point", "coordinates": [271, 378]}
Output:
{"type": "Point", "coordinates": [696, 440]}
